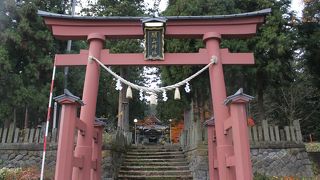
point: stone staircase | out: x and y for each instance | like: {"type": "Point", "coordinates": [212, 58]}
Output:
{"type": "Point", "coordinates": [155, 162]}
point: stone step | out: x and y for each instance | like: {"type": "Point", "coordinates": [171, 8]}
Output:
{"type": "Point", "coordinates": [170, 177]}
{"type": "Point", "coordinates": [153, 153]}
{"type": "Point", "coordinates": [156, 173]}
{"type": "Point", "coordinates": [154, 160]}
{"type": "Point", "coordinates": [153, 168]}
{"type": "Point", "coordinates": [169, 146]}
{"type": "Point", "coordinates": [151, 163]}
{"type": "Point", "coordinates": [154, 150]}
{"type": "Point", "coordinates": [170, 156]}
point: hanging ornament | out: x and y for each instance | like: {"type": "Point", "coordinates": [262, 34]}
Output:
{"type": "Point", "coordinates": [164, 96]}
{"type": "Point", "coordinates": [177, 94]}
{"type": "Point", "coordinates": [118, 85]}
{"type": "Point", "coordinates": [153, 99]}
{"type": "Point", "coordinates": [129, 93]}
{"type": "Point", "coordinates": [141, 95]}
{"type": "Point", "coordinates": [187, 88]}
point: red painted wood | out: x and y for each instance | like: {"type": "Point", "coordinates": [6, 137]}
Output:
{"type": "Point", "coordinates": [81, 28]}
{"type": "Point", "coordinates": [88, 111]}
{"type": "Point", "coordinates": [96, 153]}
{"type": "Point", "coordinates": [242, 159]}
{"type": "Point", "coordinates": [211, 152]}
{"type": "Point", "coordinates": [211, 30]}
{"type": "Point", "coordinates": [137, 59]}
{"type": "Point", "coordinates": [236, 58]}
{"type": "Point", "coordinates": [65, 158]}
{"type": "Point", "coordinates": [218, 94]}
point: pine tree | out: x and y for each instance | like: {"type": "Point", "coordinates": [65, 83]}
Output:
{"type": "Point", "coordinates": [28, 48]}
{"type": "Point", "coordinates": [273, 48]}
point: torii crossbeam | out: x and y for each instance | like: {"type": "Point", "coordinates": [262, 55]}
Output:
{"type": "Point", "coordinates": [225, 161]}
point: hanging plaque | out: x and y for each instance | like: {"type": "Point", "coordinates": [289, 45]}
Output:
{"type": "Point", "coordinates": [154, 40]}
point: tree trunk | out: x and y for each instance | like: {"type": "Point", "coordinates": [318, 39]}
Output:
{"type": "Point", "coordinates": [26, 118]}
{"type": "Point", "coordinates": [260, 89]}
{"type": "Point", "coordinates": [14, 116]}
{"type": "Point", "coordinates": [123, 106]}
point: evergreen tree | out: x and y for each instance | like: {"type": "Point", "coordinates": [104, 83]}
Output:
{"type": "Point", "coordinates": [273, 48]}
{"type": "Point", "coordinates": [308, 65]}
{"type": "Point", "coordinates": [108, 97]}
{"type": "Point", "coordinates": [28, 48]}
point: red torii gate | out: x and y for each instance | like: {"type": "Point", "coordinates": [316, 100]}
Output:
{"type": "Point", "coordinates": [228, 146]}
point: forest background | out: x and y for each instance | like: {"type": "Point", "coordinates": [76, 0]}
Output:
{"type": "Point", "coordinates": [285, 80]}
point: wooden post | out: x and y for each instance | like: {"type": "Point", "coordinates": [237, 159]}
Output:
{"type": "Point", "coordinates": [218, 95]}
{"type": "Point", "coordinates": [287, 132]}
{"type": "Point", "coordinates": [4, 135]}
{"type": "Point", "coordinates": [276, 129]}
{"type": "Point", "coordinates": [212, 155]}
{"type": "Point", "coordinates": [250, 134]}
{"type": "Point", "coordinates": [16, 135]}
{"type": "Point", "coordinates": [265, 130]}
{"type": "Point", "coordinates": [54, 135]}
{"type": "Point", "coordinates": [255, 134]}
{"type": "Point", "coordinates": [296, 125]}
{"type": "Point", "coordinates": [282, 135]}
{"type": "Point", "coordinates": [26, 135]}
{"type": "Point", "coordinates": [10, 133]}
{"type": "Point", "coordinates": [65, 158]}
{"type": "Point", "coordinates": [260, 133]}
{"type": "Point", "coordinates": [271, 134]}
{"type": "Point", "coordinates": [42, 132]}
{"type": "Point", "coordinates": [241, 158]}
{"type": "Point", "coordinates": [36, 138]}
{"type": "Point", "coordinates": [96, 172]}
{"type": "Point", "coordinates": [0, 133]}
{"type": "Point", "coordinates": [88, 111]}
{"type": "Point", "coordinates": [31, 136]}
{"type": "Point", "coordinates": [293, 134]}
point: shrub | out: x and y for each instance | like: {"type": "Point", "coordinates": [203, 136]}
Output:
{"type": "Point", "coordinates": [312, 147]}
{"type": "Point", "coordinates": [258, 176]}
{"type": "Point", "coordinates": [31, 173]}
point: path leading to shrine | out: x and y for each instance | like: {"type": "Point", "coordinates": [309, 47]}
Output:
{"type": "Point", "coordinates": [155, 162]}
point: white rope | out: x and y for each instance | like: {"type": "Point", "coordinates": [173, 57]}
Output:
{"type": "Point", "coordinates": [155, 90]}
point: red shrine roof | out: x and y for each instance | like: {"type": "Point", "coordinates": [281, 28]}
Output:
{"type": "Point", "coordinates": [79, 27]}
{"type": "Point", "coordinates": [151, 122]}
{"type": "Point", "coordinates": [248, 14]}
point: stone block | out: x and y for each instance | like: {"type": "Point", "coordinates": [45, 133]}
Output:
{"type": "Point", "coordinates": [18, 157]}
{"type": "Point", "coordinates": [254, 152]}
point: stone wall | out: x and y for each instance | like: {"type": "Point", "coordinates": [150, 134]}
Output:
{"type": "Point", "coordinates": [198, 162]}
{"type": "Point", "coordinates": [269, 159]}
{"type": "Point", "coordinates": [111, 160]}
{"type": "Point", "coordinates": [30, 155]}
{"type": "Point", "coordinates": [281, 159]}
{"type": "Point", "coordinates": [26, 155]}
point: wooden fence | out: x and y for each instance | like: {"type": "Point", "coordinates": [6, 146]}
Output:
{"type": "Point", "coordinates": [270, 133]}
{"type": "Point", "coordinates": [263, 133]}
{"type": "Point", "coordinates": [36, 135]}
{"type": "Point", "coordinates": [258, 135]}
{"type": "Point", "coordinates": [28, 135]}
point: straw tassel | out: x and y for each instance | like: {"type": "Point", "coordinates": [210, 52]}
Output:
{"type": "Point", "coordinates": [177, 94]}
{"type": "Point", "coordinates": [129, 93]}
{"type": "Point", "coordinates": [153, 99]}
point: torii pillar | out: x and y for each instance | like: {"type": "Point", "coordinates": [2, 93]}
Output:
{"type": "Point", "coordinates": [218, 93]}
{"type": "Point", "coordinates": [88, 111]}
